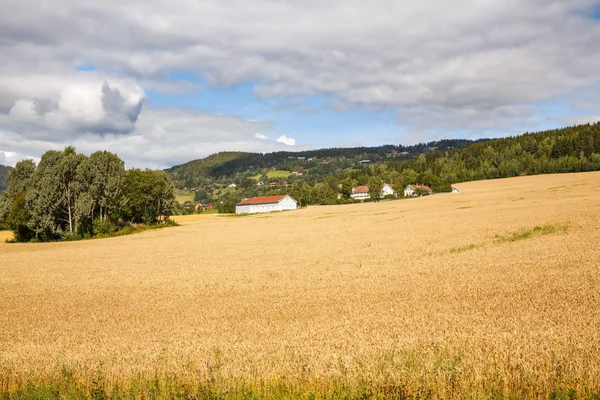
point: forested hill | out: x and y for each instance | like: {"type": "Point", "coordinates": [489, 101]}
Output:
{"type": "Point", "coordinates": [224, 166]}
{"type": "Point", "coordinates": [571, 149]}
{"type": "Point", "coordinates": [3, 174]}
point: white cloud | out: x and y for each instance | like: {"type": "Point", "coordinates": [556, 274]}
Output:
{"type": "Point", "coordinates": [286, 140]}
{"type": "Point", "coordinates": [162, 138]}
{"type": "Point", "coordinates": [260, 136]}
{"type": "Point", "coordinates": [467, 64]}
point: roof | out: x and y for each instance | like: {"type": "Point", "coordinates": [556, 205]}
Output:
{"type": "Point", "coordinates": [360, 189]}
{"type": "Point", "coordinates": [417, 186]}
{"type": "Point", "coordinates": [262, 200]}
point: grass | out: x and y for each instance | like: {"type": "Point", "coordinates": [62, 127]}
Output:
{"type": "Point", "coordinates": [462, 249]}
{"type": "Point", "coordinates": [294, 306]}
{"type": "Point", "coordinates": [181, 196]}
{"type": "Point", "coordinates": [275, 173]}
{"type": "Point", "coordinates": [529, 233]}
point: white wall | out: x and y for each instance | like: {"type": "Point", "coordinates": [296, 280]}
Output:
{"type": "Point", "coordinates": [360, 196]}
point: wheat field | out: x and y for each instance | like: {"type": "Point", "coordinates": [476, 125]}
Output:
{"type": "Point", "coordinates": [494, 291]}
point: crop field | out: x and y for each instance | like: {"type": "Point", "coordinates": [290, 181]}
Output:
{"type": "Point", "coordinates": [493, 292]}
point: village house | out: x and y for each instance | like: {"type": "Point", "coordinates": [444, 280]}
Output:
{"type": "Point", "coordinates": [455, 189]}
{"type": "Point", "coordinates": [296, 173]}
{"type": "Point", "coordinates": [360, 193]}
{"type": "Point", "coordinates": [411, 190]}
{"type": "Point", "coordinates": [266, 204]}
{"type": "Point", "coordinates": [231, 185]}
{"type": "Point", "coordinates": [388, 190]}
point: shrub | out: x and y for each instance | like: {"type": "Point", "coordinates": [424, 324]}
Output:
{"type": "Point", "coordinates": [70, 236]}
{"type": "Point", "coordinates": [103, 227]}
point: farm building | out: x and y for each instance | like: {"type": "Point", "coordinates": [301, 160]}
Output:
{"type": "Point", "coordinates": [266, 204]}
{"type": "Point", "coordinates": [455, 189]}
{"type": "Point", "coordinates": [360, 193]}
{"type": "Point", "coordinates": [411, 190]}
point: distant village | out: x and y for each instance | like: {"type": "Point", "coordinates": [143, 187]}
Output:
{"type": "Point", "coordinates": [285, 202]}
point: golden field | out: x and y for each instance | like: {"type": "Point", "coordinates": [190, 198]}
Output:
{"type": "Point", "coordinates": [491, 291]}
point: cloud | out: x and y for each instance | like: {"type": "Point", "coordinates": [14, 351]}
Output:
{"type": "Point", "coordinates": [42, 105]}
{"type": "Point", "coordinates": [163, 137]}
{"type": "Point", "coordinates": [260, 136]}
{"type": "Point", "coordinates": [286, 140]}
{"type": "Point", "coordinates": [465, 65]}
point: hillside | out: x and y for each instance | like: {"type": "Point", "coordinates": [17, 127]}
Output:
{"type": "Point", "coordinates": [570, 149]}
{"type": "Point", "coordinates": [4, 170]}
{"type": "Point", "coordinates": [225, 166]}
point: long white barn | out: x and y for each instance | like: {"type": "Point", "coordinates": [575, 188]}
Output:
{"type": "Point", "coordinates": [266, 204]}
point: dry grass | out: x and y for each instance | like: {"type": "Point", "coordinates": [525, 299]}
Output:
{"type": "Point", "coordinates": [365, 294]}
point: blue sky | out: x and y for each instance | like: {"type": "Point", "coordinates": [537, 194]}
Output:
{"type": "Point", "coordinates": [162, 85]}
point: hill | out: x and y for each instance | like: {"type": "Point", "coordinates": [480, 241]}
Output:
{"type": "Point", "coordinates": [227, 166]}
{"type": "Point", "coordinates": [4, 170]}
{"type": "Point", "coordinates": [491, 293]}
{"type": "Point", "coordinates": [570, 149]}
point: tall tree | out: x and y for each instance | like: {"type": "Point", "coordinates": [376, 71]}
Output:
{"type": "Point", "coordinates": [375, 184]}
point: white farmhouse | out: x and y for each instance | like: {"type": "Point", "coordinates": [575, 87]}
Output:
{"type": "Point", "coordinates": [387, 190]}
{"type": "Point", "coordinates": [360, 193]}
{"type": "Point", "coordinates": [411, 190]}
{"type": "Point", "coordinates": [266, 204]}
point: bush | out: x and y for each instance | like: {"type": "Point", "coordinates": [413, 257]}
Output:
{"type": "Point", "coordinates": [70, 236]}
{"type": "Point", "coordinates": [103, 227]}
{"type": "Point", "coordinates": [390, 196]}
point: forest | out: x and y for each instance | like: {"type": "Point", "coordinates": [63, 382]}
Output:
{"type": "Point", "coordinates": [70, 196]}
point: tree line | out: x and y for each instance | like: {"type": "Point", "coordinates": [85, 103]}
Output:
{"type": "Point", "coordinates": [71, 196]}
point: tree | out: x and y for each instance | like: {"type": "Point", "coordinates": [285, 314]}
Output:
{"type": "Point", "coordinates": [375, 184]}
{"type": "Point", "coordinates": [18, 218]}
{"type": "Point", "coordinates": [347, 186]}
{"type": "Point", "coordinates": [18, 181]}
{"type": "Point", "coordinates": [322, 193]}
{"type": "Point", "coordinates": [148, 195]}
{"type": "Point", "coordinates": [226, 203]}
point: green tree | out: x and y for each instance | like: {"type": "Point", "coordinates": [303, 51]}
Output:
{"type": "Point", "coordinates": [375, 184]}
{"type": "Point", "coordinates": [18, 219]}
{"type": "Point", "coordinates": [347, 186]}
{"type": "Point", "coordinates": [148, 195]}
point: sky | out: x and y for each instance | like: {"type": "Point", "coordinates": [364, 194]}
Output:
{"type": "Point", "coordinates": [161, 83]}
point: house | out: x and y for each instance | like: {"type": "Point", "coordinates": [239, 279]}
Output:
{"type": "Point", "coordinates": [296, 173]}
{"type": "Point", "coordinates": [455, 189]}
{"type": "Point", "coordinates": [360, 193]}
{"type": "Point", "coordinates": [231, 185]}
{"type": "Point", "coordinates": [411, 190]}
{"type": "Point", "coordinates": [387, 190]}
{"type": "Point", "coordinates": [362, 162]}
{"type": "Point", "coordinates": [266, 204]}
